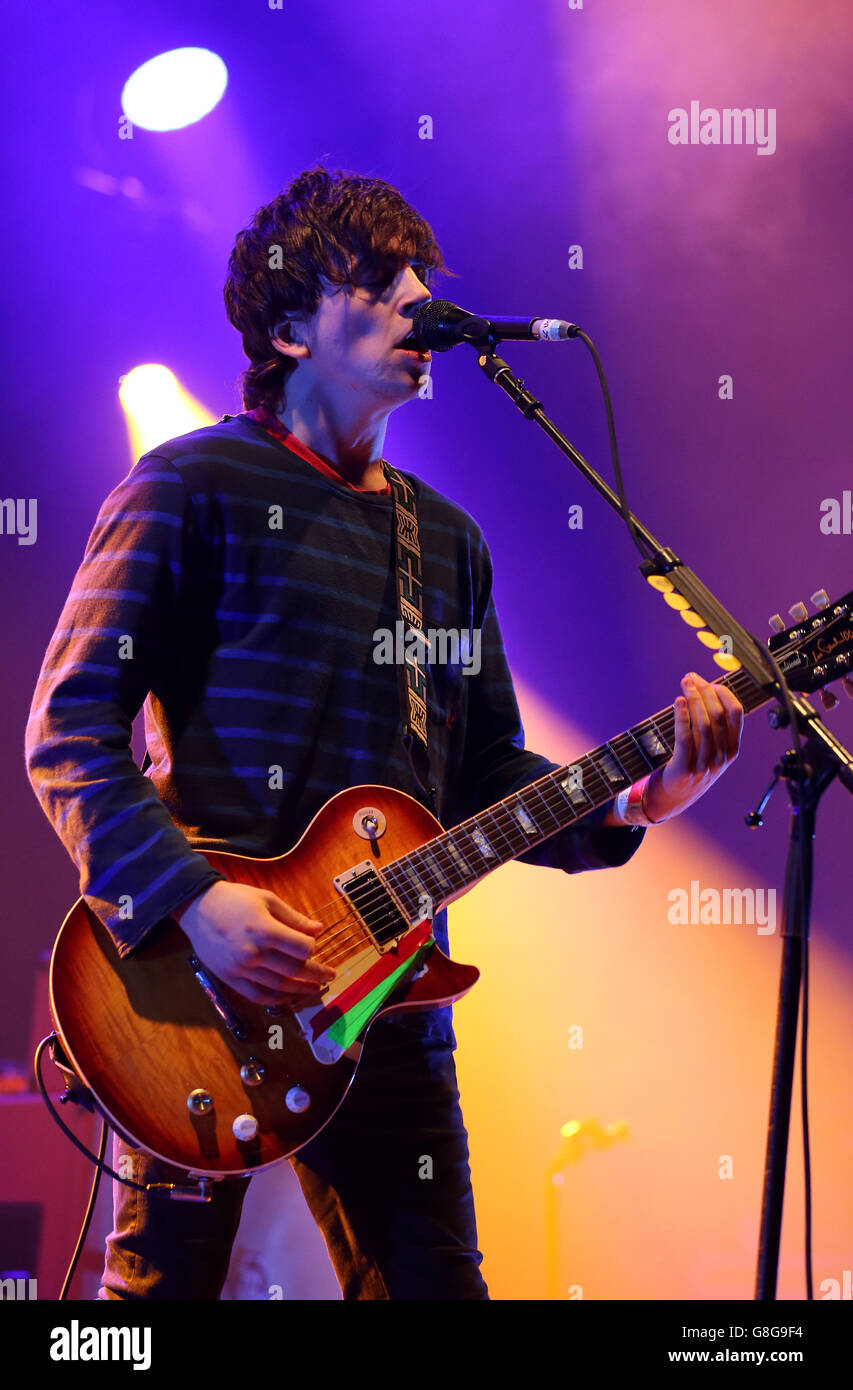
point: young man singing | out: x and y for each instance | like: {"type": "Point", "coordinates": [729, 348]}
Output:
{"type": "Point", "coordinates": [252, 648]}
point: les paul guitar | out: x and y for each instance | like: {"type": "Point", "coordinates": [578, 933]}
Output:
{"type": "Point", "coordinates": [196, 1074]}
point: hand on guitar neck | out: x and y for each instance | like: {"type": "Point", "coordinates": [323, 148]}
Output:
{"type": "Point", "coordinates": [708, 726]}
{"type": "Point", "coordinates": [254, 942]}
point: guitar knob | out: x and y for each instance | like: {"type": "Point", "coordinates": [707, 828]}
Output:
{"type": "Point", "coordinates": [776, 623]}
{"type": "Point", "coordinates": [820, 599]}
{"type": "Point", "coordinates": [199, 1102]}
{"type": "Point", "coordinates": [244, 1128]}
{"type": "Point", "coordinates": [297, 1100]}
{"type": "Point", "coordinates": [252, 1073]}
{"type": "Point", "coordinates": [798, 612]}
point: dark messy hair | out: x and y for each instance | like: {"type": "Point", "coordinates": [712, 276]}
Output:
{"type": "Point", "coordinates": [336, 225]}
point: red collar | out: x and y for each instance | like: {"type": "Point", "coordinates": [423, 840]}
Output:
{"type": "Point", "coordinates": [271, 423]}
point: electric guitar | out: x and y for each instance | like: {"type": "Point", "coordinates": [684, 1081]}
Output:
{"type": "Point", "coordinates": [192, 1071]}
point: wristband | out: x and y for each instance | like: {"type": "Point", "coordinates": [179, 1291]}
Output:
{"type": "Point", "coordinates": [628, 805]}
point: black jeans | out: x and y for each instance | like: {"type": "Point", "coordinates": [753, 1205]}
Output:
{"type": "Point", "coordinates": [387, 1182]}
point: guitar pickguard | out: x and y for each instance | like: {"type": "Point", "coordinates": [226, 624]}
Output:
{"type": "Point", "coordinates": [359, 991]}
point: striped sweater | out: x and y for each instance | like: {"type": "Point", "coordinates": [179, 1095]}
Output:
{"type": "Point", "coordinates": [232, 590]}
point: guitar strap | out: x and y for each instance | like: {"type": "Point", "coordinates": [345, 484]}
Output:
{"type": "Point", "coordinates": [411, 672]}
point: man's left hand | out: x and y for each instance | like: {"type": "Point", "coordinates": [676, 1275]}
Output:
{"type": "Point", "coordinates": [708, 724]}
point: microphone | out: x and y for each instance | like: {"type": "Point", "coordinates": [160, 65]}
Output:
{"type": "Point", "coordinates": [440, 325]}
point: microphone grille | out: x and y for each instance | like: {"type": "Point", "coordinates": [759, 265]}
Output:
{"type": "Point", "coordinates": [427, 321]}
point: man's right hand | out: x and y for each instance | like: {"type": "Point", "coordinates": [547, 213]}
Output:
{"type": "Point", "coordinates": [254, 942]}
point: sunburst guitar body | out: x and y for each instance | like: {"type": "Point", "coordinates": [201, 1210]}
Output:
{"type": "Point", "coordinates": [198, 1075]}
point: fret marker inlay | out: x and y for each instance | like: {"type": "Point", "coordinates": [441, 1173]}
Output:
{"type": "Point", "coordinates": [653, 743]}
{"type": "Point", "coordinates": [436, 869]}
{"type": "Point", "coordinates": [573, 785]}
{"type": "Point", "coordinates": [457, 855]}
{"type": "Point", "coordinates": [483, 844]}
{"type": "Point", "coordinates": [524, 820]}
{"type": "Point", "coordinates": [612, 770]}
{"type": "Point", "coordinates": [413, 878]}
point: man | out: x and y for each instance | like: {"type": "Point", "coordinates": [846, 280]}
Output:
{"type": "Point", "coordinates": [234, 583]}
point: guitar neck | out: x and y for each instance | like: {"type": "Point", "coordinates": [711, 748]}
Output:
{"type": "Point", "coordinates": [453, 862]}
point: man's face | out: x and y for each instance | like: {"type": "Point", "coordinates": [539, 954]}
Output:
{"type": "Point", "coordinates": [353, 336]}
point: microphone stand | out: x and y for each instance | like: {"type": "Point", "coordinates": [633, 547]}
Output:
{"type": "Point", "coordinates": [806, 770]}
{"type": "Point", "coordinates": [822, 763]}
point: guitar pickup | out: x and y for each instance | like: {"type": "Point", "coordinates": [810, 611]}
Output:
{"type": "Point", "coordinates": [374, 905]}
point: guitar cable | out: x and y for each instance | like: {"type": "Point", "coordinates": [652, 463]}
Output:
{"type": "Point", "coordinates": [76, 1091]}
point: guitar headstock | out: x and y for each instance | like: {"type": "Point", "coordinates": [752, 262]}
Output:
{"type": "Point", "coordinates": [816, 650]}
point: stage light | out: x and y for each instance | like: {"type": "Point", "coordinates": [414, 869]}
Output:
{"type": "Point", "coordinates": [174, 89]}
{"type": "Point", "coordinates": [157, 407]}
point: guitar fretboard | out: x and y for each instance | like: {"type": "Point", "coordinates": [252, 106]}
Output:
{"type": "Point", "coordinates": [456, 860]}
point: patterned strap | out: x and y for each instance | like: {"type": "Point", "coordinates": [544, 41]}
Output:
{"type": "Point", "coordinates": [412, 674]}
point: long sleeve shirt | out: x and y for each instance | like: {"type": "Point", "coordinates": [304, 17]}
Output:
{"type": "Point", "coordinates": [232, 590]}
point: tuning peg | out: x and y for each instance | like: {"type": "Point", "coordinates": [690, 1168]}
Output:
{"type": "Point", "coordinates": [847, 685]}
{"type": "Point", "coordinates": [828, 699]}
{"type": "Point", "coordinates": [776, 623]}
{"type": "Point", "coordinates": [820, 599]}
{"type": "Point", "coordinates": [798, 612]}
